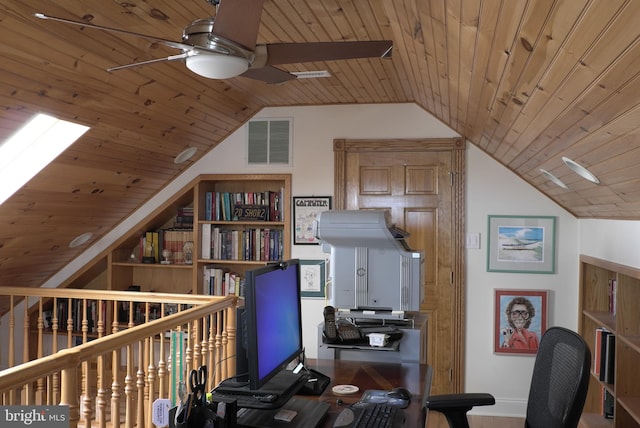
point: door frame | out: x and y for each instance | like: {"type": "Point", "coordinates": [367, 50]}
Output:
{"type": "Point", "coordinates": [457, 146]}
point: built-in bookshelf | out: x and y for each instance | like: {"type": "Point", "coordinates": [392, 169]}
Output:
{"type": "Point", "coordinates": [227, 222]}
{"type": "Point", "coordinates": [258, 216]}
{"type": "Point", "coordinates": [242, 222]}
{"type": "Point", "coordinates": [610, 323]}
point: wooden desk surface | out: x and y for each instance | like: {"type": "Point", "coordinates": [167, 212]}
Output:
{"type": "Point", "coordinates": [370, 375]}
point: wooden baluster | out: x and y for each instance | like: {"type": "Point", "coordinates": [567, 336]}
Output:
{"type": "Point", "coordinates": [128, 379]}
{"type": "Point", "coordinates": [101, 394]}
{"type": "Point", "coordinates": [188, 357]}
{"type": "Point", "coordinates": [69, 394]}
{"type": "Point", "coordinates": [162, 364]}
{"type": "Point", "coordinates": [225, 339]}
{"type": "Point", "coordinates": [26, 389]}
{"type": "Point", "coordinates": [219, 324]}
{"type": "Point", "coordinates": [148, 342]}
{"type": "Point", "coordinates": [140, 384]}
{"type": "Point", "coordinates": [40, 383]}
{"type": "Point", "coordinates": [211, 352]}
{"type": "Point", "coordinates": [230, 345]}
{"type": "Point", "coordinates": [55, 378]}
{"type": "Point", "coordinates": [12, 345]}
{"type": "Point", "coordinates": [115, 374]}
{"type": "Point", "coordinates": [85, 408]}
{"type": "Point", "coordinates": [151, 377]}
{"type": "Point", "coordinates": [197, 346]}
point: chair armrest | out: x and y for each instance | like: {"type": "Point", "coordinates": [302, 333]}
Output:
{"type": "Point", "coordinates": [463, 400]}
{"type": "Point", "coordinates": [455, 406]}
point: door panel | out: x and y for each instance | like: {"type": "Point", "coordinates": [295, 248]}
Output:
{"type": "Point", "coordinates": [414, 183]}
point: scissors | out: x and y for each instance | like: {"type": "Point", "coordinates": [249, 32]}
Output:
{"type": "Point", "coordinates": [198, 383]}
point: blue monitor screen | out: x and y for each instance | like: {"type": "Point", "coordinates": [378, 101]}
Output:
{"type": "Point", "coordinates": [274, 321]}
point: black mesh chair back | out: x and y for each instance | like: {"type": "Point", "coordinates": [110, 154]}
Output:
{"type": "Point", "coordinates": [560, 380]}
{"type": "Point", "coordinates": [558, 386]}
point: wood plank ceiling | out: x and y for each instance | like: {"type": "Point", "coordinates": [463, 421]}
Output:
{"type": "Point", "coordinates": [527, 81]}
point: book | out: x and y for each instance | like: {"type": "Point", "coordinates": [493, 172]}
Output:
{"type": "Point", "coordinates": [610, 356]}
{"type": "Point", "coordinates": [205, 245]}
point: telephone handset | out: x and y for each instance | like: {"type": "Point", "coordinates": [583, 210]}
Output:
{"type": "Point", "coordinates": [341, 332]}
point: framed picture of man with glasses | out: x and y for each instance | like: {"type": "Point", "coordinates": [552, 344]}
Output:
{"type": "Point", "coordinates": [520, 320]}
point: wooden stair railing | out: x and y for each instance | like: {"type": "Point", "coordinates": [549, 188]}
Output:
{"type": "Point", "coordinates": [136, 355]}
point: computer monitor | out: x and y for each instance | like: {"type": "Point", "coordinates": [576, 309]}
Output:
{"type": "Point", "coordinates": [272, 320]}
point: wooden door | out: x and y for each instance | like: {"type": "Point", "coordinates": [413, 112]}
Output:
{"type": "Point", "coordinates": [421, 183]}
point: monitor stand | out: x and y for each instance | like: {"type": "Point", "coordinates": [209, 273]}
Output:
{"type": "Point", "coordinates": [285, 382]}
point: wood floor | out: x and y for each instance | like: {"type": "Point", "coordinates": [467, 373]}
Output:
{"type": "Point", "coordinates": [436, 420]}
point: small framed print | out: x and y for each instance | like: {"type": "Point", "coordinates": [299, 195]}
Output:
{"type": "Point", "coordinates": [305, 211]}
{"type": "Point", "coordinates": [312, 278]}
{"type": "Point", "coordinates": [520, 321]}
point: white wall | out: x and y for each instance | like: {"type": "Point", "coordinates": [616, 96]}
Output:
{"type": "Point", "coordinates": [492, 189]}
{"type": "Point", "coordinates": [614, 240]}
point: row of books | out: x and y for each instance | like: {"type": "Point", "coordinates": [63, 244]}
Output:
{"type": "Point", "coordinates": [247, 244]}
{"type": "Point", "coordinates": [184, 217]}
{"type": "Point", "coordinates": [608, 403]}
{"type": "Point", "coordinates": [221, 206]}
{"type": "Point", "coordinates": [604, 355]}
{"type": "Point", "coordinates": [176, 240]}
{"type": "Point", "coordinates": [74, 311]}
{"type": "Point", "coordinates": [222, 282]}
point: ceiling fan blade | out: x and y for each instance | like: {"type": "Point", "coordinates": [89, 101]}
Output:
{"type": "Point", "coordinates": [291, 53]}
{"type": "Point", "coordinates": [268, 74]}
{"type": "Point", "coordinates": [151, 61]}
{"type": "Point", "coordinates": [238, 21]}
{"type": "Point", "coordinates": [169, 43]}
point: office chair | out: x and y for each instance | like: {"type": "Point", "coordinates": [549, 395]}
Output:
{"type": "Point", "coordinates": [558, 386]}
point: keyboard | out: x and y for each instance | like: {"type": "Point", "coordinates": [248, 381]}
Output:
{"type": "Point", "coordinates": [370, 415]}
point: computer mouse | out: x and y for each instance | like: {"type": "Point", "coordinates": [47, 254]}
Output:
{"type": "Point", "coordinates": [402, 393]}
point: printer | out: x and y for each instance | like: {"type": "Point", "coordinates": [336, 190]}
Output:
{"type": "Point", "coordinates": [371, 264]}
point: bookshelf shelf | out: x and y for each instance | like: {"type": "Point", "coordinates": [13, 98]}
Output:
{"type": "Point", "coordinates": [152, 265]}
{"type": "Point", "coordinates": [609, 298]}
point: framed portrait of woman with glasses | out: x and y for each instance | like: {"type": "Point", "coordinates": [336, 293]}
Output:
{"type": "Point", "coordinates": [520, 320]}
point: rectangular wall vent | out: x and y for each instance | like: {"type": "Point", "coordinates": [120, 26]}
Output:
{"type": "Point", "coordinates": [269, 142]}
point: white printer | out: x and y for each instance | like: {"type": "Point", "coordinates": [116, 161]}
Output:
{"type": "Point", "coordinates": [371, 265]}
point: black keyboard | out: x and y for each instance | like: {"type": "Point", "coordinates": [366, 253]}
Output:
{"type": "Point", "coordinates": [370, 415]}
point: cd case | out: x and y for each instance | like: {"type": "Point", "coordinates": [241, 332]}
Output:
{"type": "Point", "coordinates": [382, 397]}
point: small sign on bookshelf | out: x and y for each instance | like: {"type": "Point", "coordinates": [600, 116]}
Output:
{"type": "Point", "coordinates": [245, 212]}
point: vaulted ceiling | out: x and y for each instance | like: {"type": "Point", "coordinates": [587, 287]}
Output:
{"type": "Point", "coordinates": [526, 81]}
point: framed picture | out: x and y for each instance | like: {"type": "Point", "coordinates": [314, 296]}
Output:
{"type": "Point", "coordinates": [520, 321]}
{"type": "Point", "coordinates": [305, 211]}
{"type": "Point", "coordinates": [521, 244]}
{"type": "Point", "coordinates": [312, 278]}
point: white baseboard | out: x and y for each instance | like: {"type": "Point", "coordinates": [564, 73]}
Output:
{"type": "Point", "coordinates": [504, 407]}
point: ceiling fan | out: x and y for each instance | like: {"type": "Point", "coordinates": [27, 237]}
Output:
{"type": "Point", "coordinates": [225, 46]}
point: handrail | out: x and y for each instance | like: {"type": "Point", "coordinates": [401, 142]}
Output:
{"type": "Point", "coordinates": [128, 359]}
{"type": "Point", "coordinates": [72, 357]}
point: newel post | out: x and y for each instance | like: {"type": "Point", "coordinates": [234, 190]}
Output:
{"type": "Point", "coordinates": [69, 394]}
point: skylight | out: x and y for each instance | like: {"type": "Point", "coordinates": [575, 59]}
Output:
{"type": "Point", "coordinates": [32, 148]}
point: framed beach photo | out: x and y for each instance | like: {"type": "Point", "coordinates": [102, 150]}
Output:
{"type": "Point", "coordinates": [305, 211]}
{"type": "Point", "coordinates": [521, 244]}
{"type": "Point", "coordinates": [520, 320]}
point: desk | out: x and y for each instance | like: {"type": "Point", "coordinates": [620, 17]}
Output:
{"type": "Point", "coordinates": [370, 375]}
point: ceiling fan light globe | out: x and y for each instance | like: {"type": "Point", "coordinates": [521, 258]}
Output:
{"type": "Point", "coordinates": [215, 66]}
